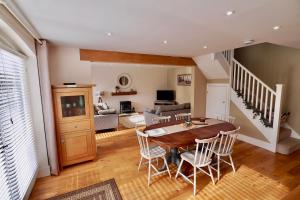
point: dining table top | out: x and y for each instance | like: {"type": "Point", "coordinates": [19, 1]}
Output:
{"type": "Point", "coordinates": [186, 136]}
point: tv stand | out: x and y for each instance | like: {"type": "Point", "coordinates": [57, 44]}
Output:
{"type": "Point", "coordinates": [161, 102]}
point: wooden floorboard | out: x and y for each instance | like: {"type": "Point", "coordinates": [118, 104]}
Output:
{"type": "Point", "coordinates": [260, 174]}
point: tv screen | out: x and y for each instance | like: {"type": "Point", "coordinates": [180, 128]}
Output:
{"type": "Point", "coordinates": [165, 95]}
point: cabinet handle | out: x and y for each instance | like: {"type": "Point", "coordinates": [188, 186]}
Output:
{"type": "Point", "coordinates": [75, 126]}
{"type": "Point", "coordinates": [62, 141]}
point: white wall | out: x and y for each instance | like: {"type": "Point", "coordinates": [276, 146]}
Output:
{"type": "Point", "coordinates": [65, 66]}
{"type": "Point", "coordinates": [184, 94]}
{"type": "Point", "coordinates": [146, 79]}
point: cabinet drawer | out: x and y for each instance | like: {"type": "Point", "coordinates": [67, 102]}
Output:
{"type": "Point", "coordinates": [75, 126]}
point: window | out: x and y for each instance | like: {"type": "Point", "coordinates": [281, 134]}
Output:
{"type": "Point", "coordinates": [18, 160]}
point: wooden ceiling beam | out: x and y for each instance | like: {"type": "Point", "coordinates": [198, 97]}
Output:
{"type": "Point", "coordinates": [121, 57]}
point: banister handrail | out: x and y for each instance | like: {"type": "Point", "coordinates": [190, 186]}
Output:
{"type": "Point", "coordinates": [253, 75]}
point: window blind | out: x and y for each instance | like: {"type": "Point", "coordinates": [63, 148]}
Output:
{"type": "Point", "coordinates": [18, 152]}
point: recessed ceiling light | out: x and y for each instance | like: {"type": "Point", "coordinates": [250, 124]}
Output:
{"type": "Point", "coordinates": [276, 27]}
{"type": "Point", "coordinates": [204, 47]}
{"type": "Point", "coordinates": [109, 34]}
{"type": "Point", "coordinates": [247, 42]}
{"type": "Point", "coordinates": [165, 41]}
{"type": "Point", "coordinates": [229, 12]}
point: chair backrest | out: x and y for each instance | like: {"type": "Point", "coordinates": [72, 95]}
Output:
{"type": "Point", "coordinates": [161, 119]}
{"type": "Point", "coordinates": [183, 116]}
{"type": "Point", "coordinates": [226, 118]}
{"type": "Point", "coordinates": [227, 140]}
{"type": "Point", "coordinates": [204, 151]}
{"type": "Point", "coordinates": [143, 142]}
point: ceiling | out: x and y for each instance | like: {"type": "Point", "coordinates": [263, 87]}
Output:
{"type": "Point", "coordinates": [141, 26]}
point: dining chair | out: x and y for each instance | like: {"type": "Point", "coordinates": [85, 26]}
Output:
{"type": "Point", "coordinates": [224, 148]}
{"type": "Point", "coordinates": [183, 116]}
{"type": "Point", "coordinates": [186, 117]}
{"type": "Point", "coordinates": [151, 153]}
{"type": "Point", "coordinates": [161, 119]}
{"type": "Point", "coordinates": [199, 159]}
{"type": "Point", "coordinates": [226, 118]}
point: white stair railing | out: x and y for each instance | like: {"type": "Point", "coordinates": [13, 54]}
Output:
{"type": "Point", "coordinates": [258, 96]}
{"type": "Point", "coordinates": [255, 92]}
{"type": "Point", "coordinates": [228, 55]}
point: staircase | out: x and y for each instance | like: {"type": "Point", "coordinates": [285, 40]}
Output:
{"type": "Point", "coordinates": [260, 104]}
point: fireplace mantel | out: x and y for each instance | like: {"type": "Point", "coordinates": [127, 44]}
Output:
{"type": "Point", "coordinates": [123, 93]}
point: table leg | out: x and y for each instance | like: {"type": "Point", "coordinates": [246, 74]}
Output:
{"type": "Point", "coordinates": [172, 157]}
{"type": "Point", "coordinates": [175, 156]}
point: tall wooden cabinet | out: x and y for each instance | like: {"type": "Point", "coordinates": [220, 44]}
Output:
{"type": "Point", "coordinates": [75, 132]}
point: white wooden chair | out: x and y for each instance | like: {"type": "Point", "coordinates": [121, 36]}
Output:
{"type": "Point", "coordinates": [186, 117]}
{"type": "Point", "coordinates": [161, 119]}
{"type": "Point", "coordinates": [224, 148]}
{"type": "Point", "coordinates": [199, 159]}
{"type": "Point", "coordinates": [183, 116]}
{"type": "Point", "coordinates": [151, 153]}
{"type": "Point", "coordinates": [226, 118]}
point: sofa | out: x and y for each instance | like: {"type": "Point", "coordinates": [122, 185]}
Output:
{"type": "Point", "coordinates": [166, 110]}
{"type": "Point", "coordinates": [105, 117]}
{"type": "Point", "coordinates": [107, 121]}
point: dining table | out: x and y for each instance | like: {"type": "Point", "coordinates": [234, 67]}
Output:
{"type": "Point", "coordinates": [177, 133]}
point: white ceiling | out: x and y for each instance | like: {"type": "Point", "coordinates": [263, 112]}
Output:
{"type": "Point", "coordinates": [141, 26]}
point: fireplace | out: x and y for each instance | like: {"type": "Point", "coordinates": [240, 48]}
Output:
{"type": "Point", "coordinates": [125, 107]}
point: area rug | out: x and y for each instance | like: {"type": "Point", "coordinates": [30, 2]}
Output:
{"type": "Point", "coordinates": [107, 190]}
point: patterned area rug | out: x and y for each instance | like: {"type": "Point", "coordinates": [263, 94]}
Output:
{"type": "Point", "coordinates": [107, 190]}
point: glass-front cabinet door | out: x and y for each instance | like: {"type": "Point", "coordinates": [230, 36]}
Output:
{"type": "Point", "coordinates": [72, 105]}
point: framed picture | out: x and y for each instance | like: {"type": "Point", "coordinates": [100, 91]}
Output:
{"type": "Point", "coordinates": [184, 79]}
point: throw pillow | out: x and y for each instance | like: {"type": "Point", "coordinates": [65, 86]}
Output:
{"type": "Point", "coordinates": [96, 110]}
{"type": "Point", "coordinates": [102, 106]}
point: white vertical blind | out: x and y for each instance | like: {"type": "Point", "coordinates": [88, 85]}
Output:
{"type": "Point", "coordinates": [19, 151]}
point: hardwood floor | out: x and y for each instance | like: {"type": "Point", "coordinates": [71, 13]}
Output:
{"type": "Point", "coordinates": [260, 174]}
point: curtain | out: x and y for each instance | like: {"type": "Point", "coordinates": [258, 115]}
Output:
{"type": "Point", "coordinates": [43, 66]}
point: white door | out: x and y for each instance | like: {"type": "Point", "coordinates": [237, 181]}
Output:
{"type": "Point", "coordinates": [217, 102]}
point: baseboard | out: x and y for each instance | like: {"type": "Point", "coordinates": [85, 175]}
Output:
{"type": "Point", "coordinates": [43, 171]}
{"type": "Point", "coordinates": [294, 134]}
{"type": "Point", "coordinates": [256, 142]}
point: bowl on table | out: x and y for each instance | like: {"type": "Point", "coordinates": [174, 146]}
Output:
{"type": "Point", "coordinates": [198, 122]}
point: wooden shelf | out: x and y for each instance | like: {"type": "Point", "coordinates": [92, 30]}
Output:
{"type": "Point", "coordinates": [123, 93]}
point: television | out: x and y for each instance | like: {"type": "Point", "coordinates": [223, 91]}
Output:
{"type": "Point", "coordinates": [165, 95]}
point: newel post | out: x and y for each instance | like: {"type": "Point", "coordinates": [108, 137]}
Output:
{"type": "Point", "coordinates": [277, 114]}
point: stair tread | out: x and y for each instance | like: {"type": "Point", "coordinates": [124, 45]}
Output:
{"type": "Point", "coordinates": [284, 133]}
{"type": "Point", "coordinates": [288, 145]}
{"type": "Point", "coordinates": [283, 129]}
{"type": "Point", "coordinates": [289, 142]}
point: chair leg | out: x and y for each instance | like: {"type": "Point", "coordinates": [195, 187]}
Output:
{"type": "Point", "coordinates": [195, 172]}
{"type": "Point", "coordinates": [149, 172]}
{"type": "Point", "coordinates": [141, 160]}
{"type": "Point", "coordinates": [165, 161]}
{"type": "Point", "coordinates": [211, 175]}
{"type": "Point", "coordinates": [179, 168]}
{"type": "Point", "coordinates": [232, 164]}
{"type": "Point", "coordinates": [218, 167]}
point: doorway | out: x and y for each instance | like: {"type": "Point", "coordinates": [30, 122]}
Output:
{"type": "Point", "coordinates": [217, 100]}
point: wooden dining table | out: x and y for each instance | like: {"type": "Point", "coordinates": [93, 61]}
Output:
{"type": "Point", "coordinates": [185, 136]}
